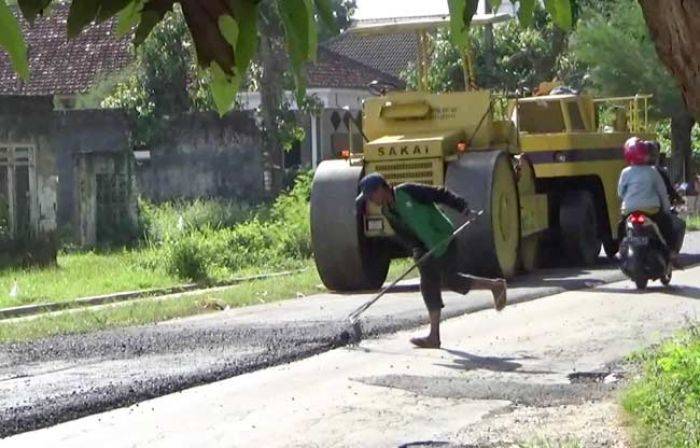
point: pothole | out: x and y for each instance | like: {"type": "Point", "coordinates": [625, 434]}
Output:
{"type": "Point", "coordinates": [518, 393]}
{"type": "Point", "coordinates": [595, 377]}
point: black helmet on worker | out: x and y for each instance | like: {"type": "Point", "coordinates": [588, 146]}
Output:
{"type": "Point", "coordinates": [368, 185]}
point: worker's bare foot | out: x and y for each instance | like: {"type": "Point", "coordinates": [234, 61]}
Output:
{"type": "Point", "coordinates": [500, 293]}
{"type": "Point", "coordinates": [426, 342]}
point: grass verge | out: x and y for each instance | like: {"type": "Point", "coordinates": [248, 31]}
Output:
{"type": "Point", "coordinates": [80, 275]}
{"type": "Point", "coordinates": [154, 311]}
{"type": "Point", "coordinates": [693, 222]}
{"type": "Point", "coordinates": [663, 405]}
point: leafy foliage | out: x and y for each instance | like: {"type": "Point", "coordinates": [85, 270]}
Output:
{"type": "Point", "coordinates": [224, 32]}
{"type": "Point", "coordinates": [11, 40]}
{"type": "Point", "coordinates": [461, 12]}
{"type": "Point", "coordinates": [163, 81]}
{"type": "Point", "coordinates": [665, 402]}
{"type": "Point", "coordinates": [521, 57]}
{"type": "Point", "coordinates": [617, 47]}
{"type": "Point", "coordinates": [205, 240]}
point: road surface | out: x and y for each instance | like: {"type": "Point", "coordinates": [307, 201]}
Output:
{"type": "Point", "coordinates": [60, 379]}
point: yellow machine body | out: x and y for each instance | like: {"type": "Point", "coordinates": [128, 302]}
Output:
{"type": "Point", "coordinates": [413, 136]}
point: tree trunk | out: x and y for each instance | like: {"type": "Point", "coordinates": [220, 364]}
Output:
{"type": "Point", "coordinates": [273, 64]}
{"type": "Point", "coordinates": [675, 28]}
{"type": "Point", "coordinates": [681, 151]}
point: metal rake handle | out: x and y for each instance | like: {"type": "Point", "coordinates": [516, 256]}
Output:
{"type": "Point", "coordinates": [356, 314]}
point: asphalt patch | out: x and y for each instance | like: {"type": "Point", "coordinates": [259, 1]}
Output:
{"type": "Point", "coordinates": [518, 393]}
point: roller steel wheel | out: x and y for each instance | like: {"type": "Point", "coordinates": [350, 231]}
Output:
{"type": "Point", "coordinates": [345, 259]}
{"type": "Point", "coordinates": [489, 246]}
{"type": "Point", "coordinates": [578, 222]}
{"type": "Point", "coordinates": [529, 252]}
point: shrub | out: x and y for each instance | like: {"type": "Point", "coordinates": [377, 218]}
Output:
{"type": "Point", "coordinates": [161, 222]}
{"type": "Point", "coordinates": [665, 402]}
{"type": "Point", "coordinates": [205, 240]}
{"type": "Point", "coordinates": [187, 257]}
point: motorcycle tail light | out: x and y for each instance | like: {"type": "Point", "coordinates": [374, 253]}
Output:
{"type": "Point", "coordinates": [637, 218]}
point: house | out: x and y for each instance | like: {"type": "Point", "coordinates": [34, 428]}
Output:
{"type": "Point", "coordinates": [63, 171]}
{"type": "Point", "coordinates": [339, 83]}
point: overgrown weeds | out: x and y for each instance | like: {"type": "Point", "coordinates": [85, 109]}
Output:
{"type": "Point", "coordinates": [664, 403]}
{"type": "Point", "coordinates": [206, 241]}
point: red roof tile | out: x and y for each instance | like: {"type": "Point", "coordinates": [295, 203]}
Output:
{"type": "Point", "coordinates": [62, 67]}
{"type": "Point", "coordinates": [333, 70]}
{"type": "Point", "coordinates": [59, 66]}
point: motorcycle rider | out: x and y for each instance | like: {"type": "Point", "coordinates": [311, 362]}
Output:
{"type": "Point", "coordinates": [642, 189]}
{"type": "Point", "coordinates": [657, 160]}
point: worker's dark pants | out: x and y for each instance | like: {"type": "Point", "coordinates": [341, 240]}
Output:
{"type": "Point", "coordinates": [438, 272]}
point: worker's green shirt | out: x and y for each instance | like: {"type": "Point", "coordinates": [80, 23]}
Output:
{"type": "Point", "coordinates": [415, 217]}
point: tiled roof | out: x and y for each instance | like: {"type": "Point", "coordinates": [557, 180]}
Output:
{"type": "Point", "coordinates": [333, 70]}
{"type": "Point", "coordinates": [59, 66]}
{"type": "Point", "coordinates": [388, 53]}
{"type": "Point", "coordinates": [62, 67]}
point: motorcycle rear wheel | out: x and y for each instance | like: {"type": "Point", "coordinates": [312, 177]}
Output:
{"type": "Point", "coordinates": [666, 279]}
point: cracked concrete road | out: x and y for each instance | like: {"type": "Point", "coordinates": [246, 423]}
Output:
{"type": "Point", "coordinates": [540, 368]}
{"type": "Point", "coordinates": [65, 378]}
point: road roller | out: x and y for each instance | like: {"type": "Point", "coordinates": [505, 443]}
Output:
{"type": "Point", "coordinates": [543, 169]}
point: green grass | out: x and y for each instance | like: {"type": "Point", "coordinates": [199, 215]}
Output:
{"type": "Point", "coordinates": [693, 222]}
{"type": "Point", "coordinates": [152, 311]}
{"type": "Point", "coordinates": [663, 405]}
{"type": "Point", "coordinates": [79, 275]}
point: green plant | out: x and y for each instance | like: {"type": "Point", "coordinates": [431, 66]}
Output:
{"type": "Point", "coordinates": [203, 241]}
{"type": "Point", "coordinates": [187, 257]}
{"type": "Point", "coordinates": [664, 404]}
{"type": "Point", "coordinates": [225, 34]}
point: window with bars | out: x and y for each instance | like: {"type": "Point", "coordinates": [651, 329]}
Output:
{"type": "Point", "coordinates": [16, 180]}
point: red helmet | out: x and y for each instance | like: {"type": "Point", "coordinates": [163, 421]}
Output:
{"type": "Point", "coordinates": [637, 151]}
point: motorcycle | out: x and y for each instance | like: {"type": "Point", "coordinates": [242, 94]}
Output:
{"type": "Point", "coordinates": [644, 254]}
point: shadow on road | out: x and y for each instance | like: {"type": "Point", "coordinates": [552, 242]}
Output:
{"type": "Point", "coordinates": [689, 292]}
{"type": "Point", "coordinates": [468, 361]}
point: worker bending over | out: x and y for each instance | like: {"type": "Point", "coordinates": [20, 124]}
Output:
{"type": "Point", "coordinates": [421, 226]}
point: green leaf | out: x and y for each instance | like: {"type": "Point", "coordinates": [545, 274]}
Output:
{"type": "Point", "coordinates": [246, 13]}
{"type": "Point", "coordinates": [313, 32]}
{"type": "Point", "coordinates": [299, 27]}
{"type": "Point", "coordinates": [108, 8]}
{"type": "Point", "coordinates": [32, 8]}
{"type": "Point", "coordinates": [149, 19]}
{"type": "Point", "coordinates": [224, 88]}
{"type": "Point", "coordinates": [561, 12]}
{"type": "Point", "coordinates": [229, 29]}
{"type": "Point", "coordinates": [81, 13]}
{"type": "Point", "coordinates": [526, 12]}
{"type": "Point", "coordinates": [129, 17]}
{"type": "Point", "coordinates": [12, 40]}
{"type": "Point", "coordinates": [325, 12]}
{"type": "Point", "coordinates": [495, 4]}
{"type": "Point", "coordinates": [152, 13]}
{"type": "Point", "coordinates": [461, 13]}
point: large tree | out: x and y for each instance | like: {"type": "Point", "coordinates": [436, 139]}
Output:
{"type": "Point", "coordinates": [225, 32]}
{"type": "Point", "coordinates": [675, 28]}
{"type": "Point", "coordinates": [514, 57]}
{"type": "Point", "coordinates": [616, 45]}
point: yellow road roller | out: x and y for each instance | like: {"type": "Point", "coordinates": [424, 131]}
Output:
{"type": "Point", "coordinates": [544, 170]}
